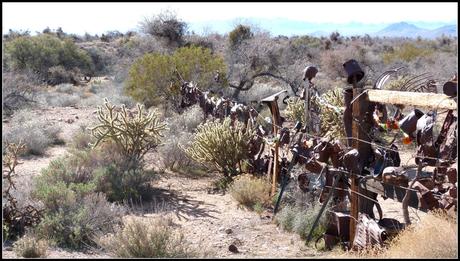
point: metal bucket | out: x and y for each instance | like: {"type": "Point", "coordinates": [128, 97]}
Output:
{"type": "Point", "coordinates": [353, 69]}
{"type": "Point", "coordinates": [409, 123]}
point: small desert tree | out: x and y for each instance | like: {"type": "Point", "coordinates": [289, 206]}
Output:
{"type": "Point", "coordinates": [239, 34]}
{"type": "Point", "coordinates": [153, 79]}
{"type": "Point", "coordinates": [165, 26]}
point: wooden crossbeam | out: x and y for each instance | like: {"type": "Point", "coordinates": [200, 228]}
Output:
{"type": "Point", "coordinates": [420, 99]}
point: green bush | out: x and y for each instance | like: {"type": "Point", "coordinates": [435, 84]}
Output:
{"type": "Point", "coordinates": [221, 144]}
{"type": "Point", "coordinates": [406, 52]}
{"type": "Point", "coordinates": [41, 52]}
{"type": "Point", "coordinates": [152, 78]}
{"type": "Point", "coordinates": [147, 239]}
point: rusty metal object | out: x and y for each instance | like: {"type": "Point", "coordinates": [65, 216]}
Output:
{"type": "Point", "coordinates": [368, 233]}
{"type": "Point", "coordinates": [391, 226]}
{"type": "Point", "coordinates": [351, 161]}
{"type": "Point", "coordinates": [394, 176]}
{"type": "Point", "coordinates": [409, 123]}
{"type": "Point", "coordinates": [303, 181]}
{"type": "Point", "coordinates": [309, 73]}
{"type": "Point", "coordinates": [382, 79]}
{"type": "Point", "coordinates": [451, 175]}
{"type": "Point", "coordinates": [353, 70]}
{"type": "Point", "coordinates": [450, 88]}
{"type": "Point", "coordinates": [425, 197]}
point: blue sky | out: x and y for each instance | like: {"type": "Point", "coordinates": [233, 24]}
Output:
{"type": "Point", "coordinates": [278, 18]}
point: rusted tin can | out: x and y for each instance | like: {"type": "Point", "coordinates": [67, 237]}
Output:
{"type": "Point", "coordinates": [353, 69]}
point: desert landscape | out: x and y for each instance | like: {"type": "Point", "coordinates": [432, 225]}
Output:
{"type": "Point", "coordinates": [165, 143]}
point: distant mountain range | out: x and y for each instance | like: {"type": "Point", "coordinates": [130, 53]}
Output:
{"type": "Point", "coordinates": [282, 26]}
{"type": "Point", "coordinates": [404, 29]}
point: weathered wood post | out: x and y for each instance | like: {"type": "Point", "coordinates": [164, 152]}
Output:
{"type": "Point", "coordinates": [272, 103]}
{"type": "Point", "coordinates": [359, 108]}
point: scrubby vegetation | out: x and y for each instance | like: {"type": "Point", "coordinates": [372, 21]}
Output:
{"type": "Point", "coordinates": [251, 192]}
{"type": "Point", "coordinates": [30, 247]}
{"type": "Point", "coordinates": [147, 239]}
{"type": "Point", "coordinates": [116, 157]}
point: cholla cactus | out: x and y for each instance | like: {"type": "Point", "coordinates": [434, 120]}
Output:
{"type": "Point", "coordinates": [331, 107]}
{"type": "Point", "coordinates": [135, 135]}
{"type": "Point", "coordinates": [295, 109]}
{"type": "Point", "coordinates": [221, 144]}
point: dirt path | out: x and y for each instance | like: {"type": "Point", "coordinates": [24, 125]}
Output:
{"type": "Point", "coordinates": [212, 222]}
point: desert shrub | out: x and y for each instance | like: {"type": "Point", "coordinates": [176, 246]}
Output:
{"type": "Point", "coordinates": [406, 52]}
{"type": "Point", "coordinates": [221, 144]}
{"type": "Point", "coordinates": [152, 78]}
{"type": "Point", "coordinates": [18, 211]}
{"type": "Point", "coordinates": [79, 219]}
{"type": "Point", "coordinates": [102, 60]}
{"type": "Point", "coordinates": [120, 184]}
{"type": "Point", "coordinates": [126, 129]}
{"type": "Point", "coordinates": [65, 88]}
{"type": "Point", "coordinates": [36, 134]}
{"type": "Point", "coordinates": [55, 99]}
{"type": "Point", "coordinates": [285, 218]}
{"type": "Point", "coordinates": [295, 109]}
{"type": "Point", "coordinates": [29, 247]}
{"type": "Point", "coordinates": [300, 219]}
{"type": "Point", "coordinates": [147, 239]}
{"type": "Point", "coordinates": [18, 90]}
{"type": "Point", "coordinates": [239, 34]}
{"type": "Point", "coordinates": [165, 26]}
{"type": "Point", "coordinates": [251, 191]}
{"type": "Point", "coordinates": [58, 75]}
{"type": "Point", "coordinates": [41, 52]}
{"type": "Point", "coordinates": [172, 154]}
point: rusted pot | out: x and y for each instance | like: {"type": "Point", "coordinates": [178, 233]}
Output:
{"type": "Point", "coordinates": [309, 73]}
{"type": "Point", "coordinates": [450, 88]}
{"type": "Point", "coordinates": [409, 123]}
{"type": "Point", "coordinates": [353, 69]}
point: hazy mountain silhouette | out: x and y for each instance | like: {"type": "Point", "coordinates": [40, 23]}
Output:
{"type": "Point", "coordinates": [404, 29]}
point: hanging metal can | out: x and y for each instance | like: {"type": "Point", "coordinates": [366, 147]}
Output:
{"type": "Point", "coordinates": [353, 69]}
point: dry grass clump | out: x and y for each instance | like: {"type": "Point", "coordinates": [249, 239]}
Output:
{"type": "Point", "coordinates": [153, 238]}
{"type": "Point", "coordinates": [29, 247]}
{"type": "Point", "coordinates": [436, 236]}
{"type": "Point", "coordinates": [251, 191]}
